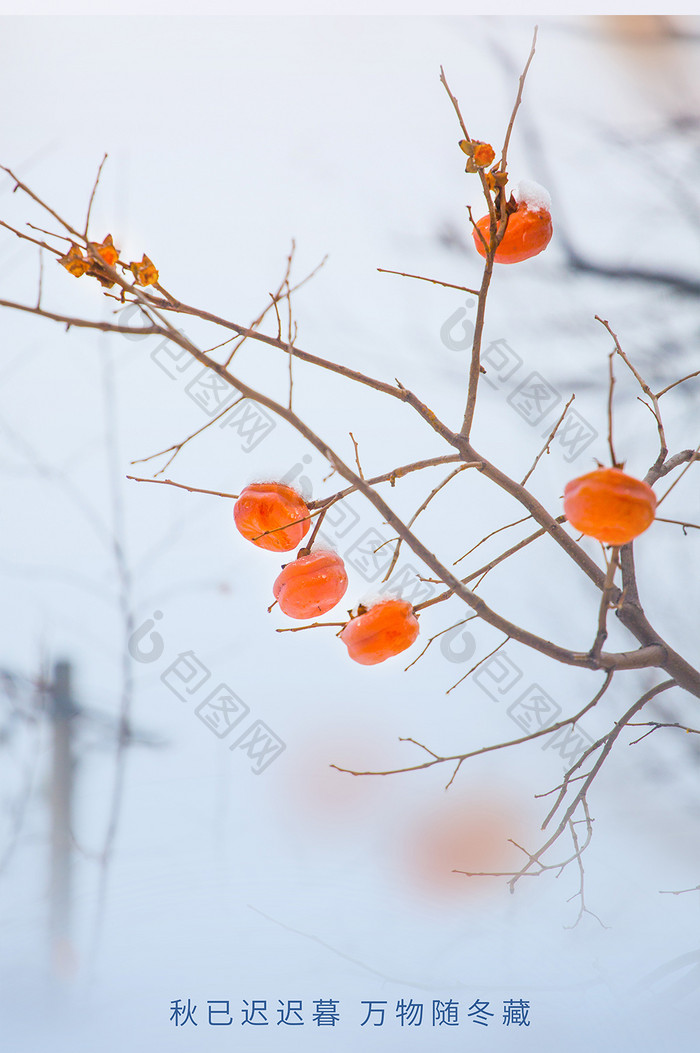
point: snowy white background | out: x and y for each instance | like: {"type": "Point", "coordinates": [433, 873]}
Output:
{"type": "Point", "coordinates": [226, 139]}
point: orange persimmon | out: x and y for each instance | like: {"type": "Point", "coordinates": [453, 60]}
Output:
{"type": "Point", "coordinates": [528, 230]}
{"type": "Point", "coordinates": [609, 505]}
{"type": "Point", "coordinates": [272, 516]}
{"type": "Point", "coordinates": [311, 585]}
{"type": "Point", "coordinates": [384, 630]}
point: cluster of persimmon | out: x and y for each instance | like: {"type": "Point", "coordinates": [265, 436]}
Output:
{"type": "Point", "coordinates": [605, 504]}
{"type": "Point", "coordinates": [275, 517]}
{"type": "Point", "coordinates": [77, 263]}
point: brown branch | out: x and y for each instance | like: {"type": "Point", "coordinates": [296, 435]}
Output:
{"type": "Point", "coordinates": [30, 193]}
{"type": "Point", "coordinates": [433, 493]}
{"type": "Point", "coordinates": [306, 548]}
{"type": "Point", "coordinates": [496, 231]}
{"type": "Point", "coordinates": [677, 382]}
{"type": "Point", "coordinates": [483, 571]}
{"type": "Point", "coordinates": [679, 477]}
{"type": "Point", "coordinates": [82, 323]}
{"type": "Point", "coordinates": [518, 100]}
{"type": "Point", "coordinates": [602, 633]}
{"type": "Point", "coordinates": [493, 533]}
{"type": "Point", "coordinates": [28, 237]}
{"type": "Point", "coordinates": [357, 456]}
{"type": "Point", "coordinates": [462, 757]}
{"type": "Point", "coordinates": [391, 477]}
{"type": "Point", "coordinates": [654, 408]}
{"type": "Point", "coordinates": [178, 307]}
{"type": "Point", "coordinates": [678, 522]}
{"type": "Point", "coordinates": [316, 625]}
{"type": "Point", "coordinates": [433, 281]}
{"type": "Point", "coordinates": [545, 448]}
{"type": "Point", "coordinates": [654, 725]}
{"type": "Point", "coordinates": [475, 363]}
{"type": "Point", "coordinates": [181, 486]}
{"type": "Point", "coordinates": [670, 465]}
{"type": "Point", "coordinates": [583, 909]}
{"type": "Point", "coordinates": [476, 666]}
{"type": "Point", "coordinates": [611, 386]}
{"type": "Point", "coordinates": [92, 197]}
{"type": "Point", "coordinates": [442, 632]}
{"type": "Point", "coordinates": [178, 446]}
{"type": "Point", "coordinates": [607, 741]}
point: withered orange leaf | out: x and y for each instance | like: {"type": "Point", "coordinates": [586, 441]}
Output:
{"type": "Point", "coordinates": [144, 272]}
{"type": "Point", "coordinates": [74, 261]}
{"type": "Point", "coordinates": [106, 250]}
{"type": "Point", "coordinates": [96, 272]}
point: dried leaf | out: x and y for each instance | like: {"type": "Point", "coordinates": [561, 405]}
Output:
{"type": "Point", "coordinates": [107, 251]}
{"type": "Point", "coordinates": [96, 272]}
{"type": "Point", "coordinates": [144, 272]}
{"type": "Point", "coordinates": [74, 261]}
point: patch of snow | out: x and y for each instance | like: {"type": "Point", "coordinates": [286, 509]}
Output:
{"type": "Point", "coordinates": [534, 196]}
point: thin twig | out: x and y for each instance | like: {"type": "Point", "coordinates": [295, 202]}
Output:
{"type": "Point", "coordinates": [654, 725]}
{"type": "Point", "coordinates": [177, 447]}
{"type": "Point", "coordinates": [492, 534]}
{"type": "Point", "coordinates": [679, 477]}
{"type": "Point", "coordinates": [545, 448]}
{"type": "Point", "coordinates": [654, 408]}
{"type": "Point", "coordinates": [357, 456]}
{"type": "Point", "coordinates": [433, 493]}
{"type": "Point", "coordinates": [181, 486]}
{"type": "Point", "coordinates": [678, 522]}
{"type": "Point", "coordinates": [433, 281]}
{"type": "Point", "coordinates": [462, 757]}
{"type": "Point", "coordinates": [30, 193]}
{"type": "Point", "coordinates": [392, 476]}
{"type": "Point", "coordinates": [518, 100]}
{"type": "Point", "coordinates": [611, 385]}
{"type": "Point", "coordinates": [442, 632]}
{"type": "Point", "coordinates": [476, 666]}
{"type": "Point", "coordinates": [316, 625]}
{"type": "Point", "coordinates": [92, 196]}
{"type": "Point", "coordinates": [483, 571]}
{"type": "Point", "coordinates": [602, 633]}
{"type": "Point", "coordinates": [677, 382]}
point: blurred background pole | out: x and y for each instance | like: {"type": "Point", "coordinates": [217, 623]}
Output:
{"type": "Point", "coordinates": [61, 713]}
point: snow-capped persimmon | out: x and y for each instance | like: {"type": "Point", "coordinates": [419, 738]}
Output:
{"type": "Point", "coordinates": [609, 505]}
{"type": "Point", "coordinates": [311, 585]}
{"type": "Point", "coordinates": [386, 629]}
{"type": "Point", "coordinates": [272, 516]}
{"type": "Point", "coordinates": [528, 230]}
